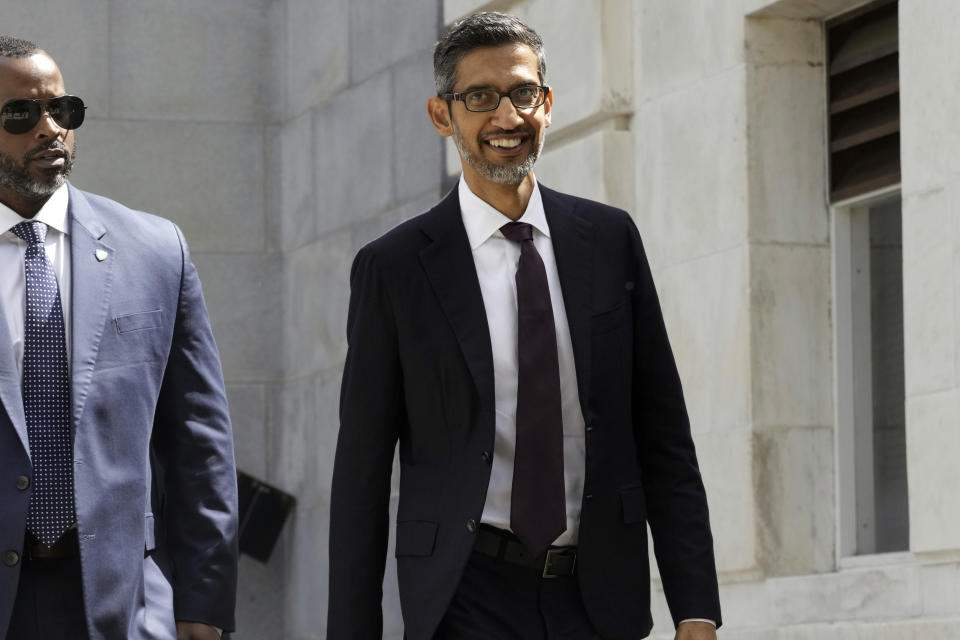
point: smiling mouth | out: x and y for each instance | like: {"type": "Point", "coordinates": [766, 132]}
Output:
{"type": "Point", "coordinates": [505, 143]}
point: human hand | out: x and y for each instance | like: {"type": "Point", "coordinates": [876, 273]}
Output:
{"type": "Point", "coordinates": [196, 631]}
{"type": "Point", "coordinates": [695, 630]}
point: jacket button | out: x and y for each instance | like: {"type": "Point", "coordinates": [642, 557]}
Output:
{"type": "Point", "coordinates": [590, 427]}
{"type": "Point", "coordinates": [11, 558]}
{"type": "Point", "coordinates": [23, 483]}
{"type": "Point", "coordinates": [486, 457]}
{"type": "Point", "coordinates": [472, 525]}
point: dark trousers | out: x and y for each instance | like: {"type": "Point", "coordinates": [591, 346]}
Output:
{"type": "Point", "coordinates": [497, 600]}
{"type": "Point", "coordinates": [49, 603]}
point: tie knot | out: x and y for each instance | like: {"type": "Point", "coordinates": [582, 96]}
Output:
{"type": "Point", "coordinates": [517, 231]}
{"type": "Point", "coordinates": [31, 232]}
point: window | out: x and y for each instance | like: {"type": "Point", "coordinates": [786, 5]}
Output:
{"type": "Point", "coordinates": [868, 281]}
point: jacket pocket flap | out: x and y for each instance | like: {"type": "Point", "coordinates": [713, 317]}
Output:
{"type": "Point", "coordinates": [137, 321]}
{"type": "Point", "coordinates": [149, 537]}
{"type": "Point", "coordinates": [416, 538]}
{"type": "Point", "coordinates": [609, 320]}
{"type": "Point", "coordinates": [634, 505]}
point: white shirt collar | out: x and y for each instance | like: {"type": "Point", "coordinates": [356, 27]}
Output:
{"type": "Point", "coordinates": [53, 213]}
{"type": "Point", "coordinates": [482, 221]}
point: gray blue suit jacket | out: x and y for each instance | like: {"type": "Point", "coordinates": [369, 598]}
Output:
{"type": "Point", "coordinates": [154, 472]}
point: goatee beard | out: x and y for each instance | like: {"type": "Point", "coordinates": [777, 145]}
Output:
{"type": "Point", "coordinates": [14, 176]}
{"type": "Point", "coordinates": [499, 173]}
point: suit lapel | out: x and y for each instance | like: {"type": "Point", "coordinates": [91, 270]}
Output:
{"type": "Point", "coordinates": [10, 390]}
{"type": "Point", "coordinates": [448, 262]}
{"type": "Point", "coordinates": [92, 272]}
{"type": "Point", "coordinates": [572, 238]}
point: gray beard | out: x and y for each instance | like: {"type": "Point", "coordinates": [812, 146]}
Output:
{"type": "Point", "coordinates": [14, 177]}
{"type": "Point", "coordinates": [501, 174]}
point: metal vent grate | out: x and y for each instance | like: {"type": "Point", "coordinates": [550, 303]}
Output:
{"type": "Point", "coordinates": [864, 94]}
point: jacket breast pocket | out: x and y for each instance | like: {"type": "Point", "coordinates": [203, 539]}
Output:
{"type": "Point", "coordinates": [634, 505]}
{"type": "Point", "coordinates": [138, 321]}
{"type": "Point", "coordinates": [416, 538]}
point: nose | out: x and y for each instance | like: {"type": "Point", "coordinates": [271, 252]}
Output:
{"type": "Point", "coordinates": [506, 116]}
{"type": "Point", "coordinates": [47, 127]}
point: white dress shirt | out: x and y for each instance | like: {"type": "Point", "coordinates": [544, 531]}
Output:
{"type": "Point", "coordinates": [496, 261]}
{"type": "Point", "coordinates": [13, 279]}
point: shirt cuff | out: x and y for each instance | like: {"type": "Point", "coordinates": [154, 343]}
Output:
{"type": "Point", "coordinates": [700, 620]}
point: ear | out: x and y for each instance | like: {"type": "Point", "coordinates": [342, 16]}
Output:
{"type": "Point", "coordinates": [440, 116]}
{"type": "Point", "coordinates": [548, 107]}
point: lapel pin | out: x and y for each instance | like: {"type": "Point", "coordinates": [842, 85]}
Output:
{"type": "Point", "coordinates": [101, 255]}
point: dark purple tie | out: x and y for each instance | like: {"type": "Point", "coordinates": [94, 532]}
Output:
{"type": "Point", "coordinates": [538, 511]}
{"type": "Point", "coordinates": [46, 393]}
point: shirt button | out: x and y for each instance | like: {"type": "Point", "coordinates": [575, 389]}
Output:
{"type": "Point", "coordinates": [23, 483]}
{"type": "Point", "coordinates": [11, 558]}
{"type": "Point", "coordinates": [486, 457]}
{"type": "Point", "coordinates": [472, 525]}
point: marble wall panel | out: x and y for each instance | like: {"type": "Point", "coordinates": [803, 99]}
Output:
{"type": "Point", "coordinates": [292, 206]}
{"type": "Point", "coordinates": [933, 448]}
{"type": "Point", "coordinates": [190, 60]}
{"type": "Point", "coordinates": [76, 35]}
{"type": "Point", "coordinates": [417, 147]}
{"type": "Point", "coordinates": [383, 33]}
{"type": "Point", "coordinates": [792, 339]}
{"type": "Point", "coordinates": [929, 137]}
{"type": "Point", "coordinates": [316, 58]}
{"type": "Point", "coordinates": [353, 135]}
{"type": "Point", "coordinates": [598, 166]}
{"type": "Point", "coordinates": [705, 306]}
{"type": "Point", "coordinates": [248, 416]}
{"type": "Point", "coordinates": [691, 163]}
{"type": "Point", "coordinates": [208, 178]}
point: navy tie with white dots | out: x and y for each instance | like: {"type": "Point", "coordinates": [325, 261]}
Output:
{"type": "Point", "coordinates": [46, 393]}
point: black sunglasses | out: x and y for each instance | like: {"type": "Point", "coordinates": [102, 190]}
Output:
{"type": "Point", "coordinates": [22, 115]}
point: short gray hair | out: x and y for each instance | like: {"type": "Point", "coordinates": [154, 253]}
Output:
{"type": "Point", "coordinates": [486, 29]}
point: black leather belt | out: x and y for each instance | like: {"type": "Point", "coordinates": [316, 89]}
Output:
{"type": "Point", "coordinates": [68, 546]}
{"type": "Point", "coordinates": [555, 562]}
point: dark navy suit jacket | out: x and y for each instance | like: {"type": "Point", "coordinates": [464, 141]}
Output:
{"type": "Point", "coordinates": [419, 372]}
{"type": "Point", "coordinates": [154, 473]}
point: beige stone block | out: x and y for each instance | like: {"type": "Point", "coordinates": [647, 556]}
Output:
{"type": "Point", "coordinates": [940, 586]}
{"type": "Point", "coordinates": [54, 25]}
{"type": "Point", "coordinates": [198, 60]}
{"type": "Point", "coordinates": [929, 137]}
{"type": "Point", "coordinates": [456, 9]}
{"type": "Point", "coordinates": [933, 448]}
{"type": "Point", "coordinates": [243, 294]}
{"type": "Point", "coordinates": [794, 479]}
{"type": "Point", "coordinates": [883, 593]}
{"type": "Point", "coordinates": [771, 40]}
{"type": "Point", "coordinates": [261, 590]}
{"type": "Point", "coordinates": [354, 171]}
{"type": "Point", "coordinates": [208, 178]}
{"type": "Point", "coordinates": [798, 9]}
{"type": "Point", "coordinates": [598, 166]}
{"type": "Point", "coordinates": [727, 459]}
{"type": "Point", "coordinates": [383, 33]}
{"type": "Point", "coordinates": [248, 416]}
{"type": "Point", "coordinates": [929, 321]}
{"type": "Point", "coordinates": [417, 147]}
{"type": "Point", "coordinates": [786, 121]}
{"type": "Point", "coordinates": [792, 337]}
{"type": "Point", "coordinates": [683, 41]}
{"type": "Point", "coordinates": [593, 79]}
{"type": "Point", "coordinates": [291, 194]}
{"type": "Point", "coordinates": [930, 221]}
{"type": "Point", "coordinates": [691, 163]}
{"type": "Point", "coordinates": [705, 306]}
{"type": "Point", "coordinates": [316, 43]}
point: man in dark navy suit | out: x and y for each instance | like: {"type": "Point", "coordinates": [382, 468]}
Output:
{"type": "Point", "coordinates": [510, 340]}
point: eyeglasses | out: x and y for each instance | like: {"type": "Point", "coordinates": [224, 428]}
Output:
{"type": "Point", "coordinates": [528, 96]}
{"type": "Point", "coordinates": [22, 115]}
